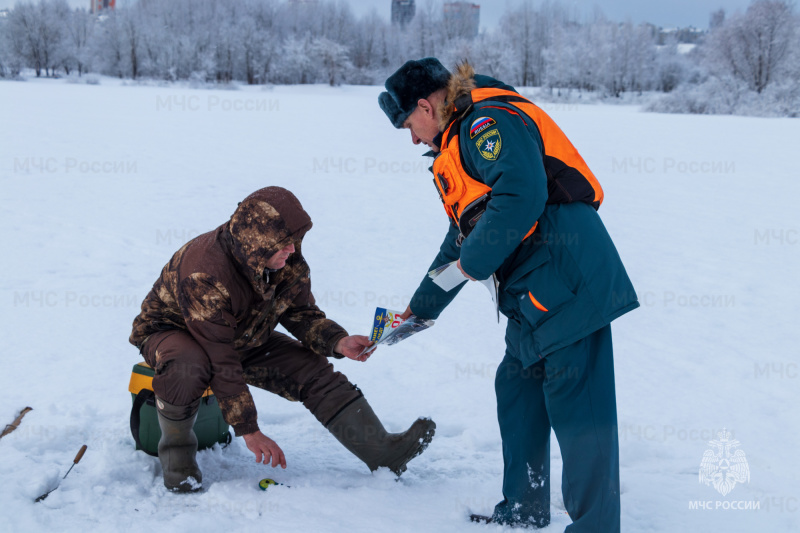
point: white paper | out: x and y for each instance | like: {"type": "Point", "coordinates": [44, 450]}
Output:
{"type": "Point", "coordinates": [492, 285]}
{"type": "Point", "coordinates": [448, 277]}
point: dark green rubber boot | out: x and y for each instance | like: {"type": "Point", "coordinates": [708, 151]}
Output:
{"type": "Point", "coordinates": [178, 446]}
{"type": "Point", "coordinates": [361, 432]}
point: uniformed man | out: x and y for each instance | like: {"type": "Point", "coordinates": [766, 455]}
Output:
{"type": "Point", "coordinates": [522, 205]}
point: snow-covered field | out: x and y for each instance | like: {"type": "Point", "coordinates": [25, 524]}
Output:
{"type": "Point", "coordinates": [101, 184]}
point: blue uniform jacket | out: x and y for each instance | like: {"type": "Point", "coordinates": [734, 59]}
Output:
{"type": "Point", "coordinates": [569, 266]}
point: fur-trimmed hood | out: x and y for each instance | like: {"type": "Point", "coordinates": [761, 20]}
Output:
{"type": "Point", "coordinates": [461, 83]}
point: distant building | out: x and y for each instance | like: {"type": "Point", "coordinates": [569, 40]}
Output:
{"type": "Point", "coordinates": [100, 5]}
{"type": "Point", "coordinates": [690, 35]}
{"type": "Point", "coordinates": [402, 12]}
{"type": "Point", "coordinates": [463, 17]}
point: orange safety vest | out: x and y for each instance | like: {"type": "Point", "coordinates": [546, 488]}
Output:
{"type": "Point", "coordinates": [465, 198]}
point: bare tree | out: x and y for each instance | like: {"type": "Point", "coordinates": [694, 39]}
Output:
{"type": "Point", "coordinates": [530, 33]}
{"type": "Point", "coordinates": [13, 44]}
{"type": "Point", "coordinates": [520, 27]}
{"type": "Point", "coordinates": [490, 54]}
{"type": "Point", "coordinates": [422, 36]}
{"type": "Point", "coordinates": [24, 35]}
{"type": "Point", "coordinates": [296, 63]}
{"type": "Point", "coordinates": [79, 27]}
{"type": "Point", "coordinates": [131, 35]}
{"type": "Point", "coordinates": [754, 47]}
{"type": "Point", "coordinates": [331, 58]}
{"type": "Point", "coordinates": [535, 44]}
{"type": "Point", "coordinates": [257, 42]}
{"type": "Point", "coordinates": [369, 47]}
{"type": "Point", "coordinates": [36, 33]}
{"type": "Point", "coordinates": [671, 67]}
{"type": "Point", "coordinates": [110, 50]}
{"type": "Point", "coordinates": [52, 15]}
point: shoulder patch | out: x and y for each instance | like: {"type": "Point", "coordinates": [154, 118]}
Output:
{"type": "Point", "coordinates": [480, 125]}
{"type": "Point", "coordinates": [489, 144]}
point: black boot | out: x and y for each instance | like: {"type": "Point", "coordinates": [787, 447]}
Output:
{"type": "Point", "coordinates": [360, 431]}
{"type": "Point", "coordinates": [178, 446]}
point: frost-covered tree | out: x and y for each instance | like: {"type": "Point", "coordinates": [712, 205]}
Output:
{"type": "Point", "coordinates": [593, 44]}
{"type": "Point", "coordinates": [337, 22]}
{"type": "Point", "coordinates": [755, 46]}
{"type": "Point", "coordinates": [521, 26]}
{"type": "Point", "coordinates": [131, 27]}
{"type": "Point", "coordinates": [12, 48]}
{"type": "Point", "coordinates": [422, 37]}
{"type": "Point", "coordinates": [110, 51]}
{"type": "Point", "coordinates": [631, 58]}
{"type": "Point", "coordinates": [367, 49]}
{"type": "Point", "coordinates": [671, 67]}
{"type": "Point", "coordinates": [37, 33]}
{"type": "Point", "coordinates": [331, 60]}
{"type": "Point", "coordinates": [79, 28]}
{"type": "Point", "coordinates": [535, 44]}
{"type": "Point", "coordinates": [258, 46]}
{"type": "Point", "coordinates": [52, 30]}
{"type": "Point", "coordinates": [295, 63]}
{"type": "Point", "coordinates": [559, 57]}
{"type": "Point", "coordinates": [492, 55]}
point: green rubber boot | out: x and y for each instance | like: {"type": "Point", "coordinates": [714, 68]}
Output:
{"type": "Point", "coordinates": [178, 446]}
{"type": "Point", "coordinates": [361, 432]}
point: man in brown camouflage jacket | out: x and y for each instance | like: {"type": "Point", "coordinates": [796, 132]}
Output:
{"type": "Point", "coordinates": [210, 320]}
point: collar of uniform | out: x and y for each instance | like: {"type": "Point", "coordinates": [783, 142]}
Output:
{"type": "Point", "coordinates": [438, 139]}
{"type": "Point", "coordinates": [438, 142]}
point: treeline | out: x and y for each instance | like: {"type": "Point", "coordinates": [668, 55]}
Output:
{"type": "Point", "coordinates": [273, 42]}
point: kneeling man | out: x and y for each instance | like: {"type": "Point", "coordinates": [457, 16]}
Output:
{"type": "Point", "coordinates": [210, 320]}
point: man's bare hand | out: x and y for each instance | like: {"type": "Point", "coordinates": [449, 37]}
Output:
{"type": "Point", "coordinates": [352, 346]}
{"type": "Point", "coordinates": [407, 313]}
{"type": "Point", "coordinates": [265, 449]}
{"type": "Point", "coordinates": [462, 271]}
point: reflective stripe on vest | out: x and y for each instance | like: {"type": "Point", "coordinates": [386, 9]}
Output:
{"type": "Point", "coordinates": [568, 176]}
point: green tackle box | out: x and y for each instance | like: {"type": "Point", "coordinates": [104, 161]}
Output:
{"type": "Point", "coordinates": [209, 427]}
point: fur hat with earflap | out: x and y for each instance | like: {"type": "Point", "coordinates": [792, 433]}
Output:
{"type": "Point", "coordinates": [418, 78]}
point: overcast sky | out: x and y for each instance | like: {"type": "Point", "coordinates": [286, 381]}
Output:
{"type": "Point", "coordinates": [666, 13]}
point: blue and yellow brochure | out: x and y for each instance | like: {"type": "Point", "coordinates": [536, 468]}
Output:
{"type": "Point", "coordinates": [388, 328]}
{"type": "Point", "coordinates": [385, 321]}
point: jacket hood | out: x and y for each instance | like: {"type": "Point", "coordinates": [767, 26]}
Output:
{"type": "Point", "coordinates": [264, 223]}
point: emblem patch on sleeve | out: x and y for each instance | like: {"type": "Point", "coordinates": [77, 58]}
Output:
{"type": "Point", "coordinates": [480, 125]}
{"type": "Point", "coordinates": [489, 144]}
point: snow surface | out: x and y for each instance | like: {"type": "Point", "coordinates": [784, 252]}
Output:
{"type": "Point", "coordinates": [101, 184]}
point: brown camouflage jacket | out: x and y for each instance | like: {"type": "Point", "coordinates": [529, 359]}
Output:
{"type": "Point", "coordinates": [218, 289]}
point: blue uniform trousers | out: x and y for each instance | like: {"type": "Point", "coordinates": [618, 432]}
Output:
{"type": "Point", "coordinates": [572, 391]}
